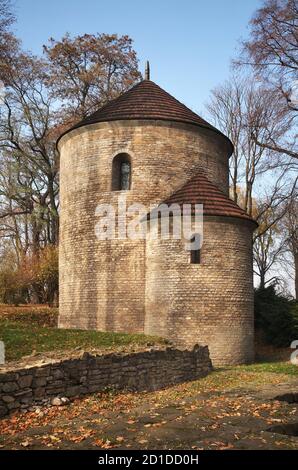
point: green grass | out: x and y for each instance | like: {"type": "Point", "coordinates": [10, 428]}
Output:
{"type": "Point", "coordinates": [272, 367]}
{"type": "Point", "coordinates": [22, 338]}
{"type": "Point", "coordinates": [28, 328]}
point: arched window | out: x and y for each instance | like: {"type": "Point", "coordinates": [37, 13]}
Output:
{"type": "Point", "coordinates": [121, 172]}
{"type": "Point", "coordinates": [195, 251]}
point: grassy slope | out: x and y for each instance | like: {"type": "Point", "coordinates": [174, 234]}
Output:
{"type": "Point", "coordinates": [30, 328]}
{"type": "Point", "coordinates": [26, 330]}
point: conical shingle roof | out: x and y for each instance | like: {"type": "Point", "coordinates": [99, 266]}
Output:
{"type": "Point", "coordinates": [199, 190]}
{"type": "Point", "coordinates": [146, 100]}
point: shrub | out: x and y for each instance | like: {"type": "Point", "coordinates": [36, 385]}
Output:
{"type": "Point", "coordinates": [35, 280]}
{"type": "Point", "coordinates": [48, 274]}
{"type": "Point", "coordinates": [276, 316]}
{"type": "Point", "coordinates": [12, 290]}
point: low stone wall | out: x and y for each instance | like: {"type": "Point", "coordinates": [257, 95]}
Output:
{"type": "Point", "coordinates": [145, 370]}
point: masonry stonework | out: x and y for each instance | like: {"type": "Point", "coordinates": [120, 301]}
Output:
{"type": "Point", "coordinates": [210, 302]}
{"type": "Point", "coordinates": [102, 283]}
{"type": "Point", "coordinates": [136, 285]}
{"type": "Point", "coordinates": [151, 369]}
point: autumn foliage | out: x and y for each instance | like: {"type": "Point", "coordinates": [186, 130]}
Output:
{"type": "Point", "coordinates": [34, 280]}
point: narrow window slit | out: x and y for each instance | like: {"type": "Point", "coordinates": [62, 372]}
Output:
{"type": "Point", "coordinates": [195, 252]}
{"type": "Point", "coordinates": [121, 172]}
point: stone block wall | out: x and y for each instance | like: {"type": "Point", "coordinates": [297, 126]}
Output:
{"type": "Point", "coordinates": [102, 283]}
{"type": "Point", "coordinates": [208, 303]}
{"type": "Point", "coordinates": [135, 287]}
{"type": "Point", "coordinates": [144, 370]}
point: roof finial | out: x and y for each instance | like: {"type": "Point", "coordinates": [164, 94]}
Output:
{"type": "Point", "coordinates": [147, 71]}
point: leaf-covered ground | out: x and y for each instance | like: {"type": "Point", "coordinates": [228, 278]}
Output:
{"type": "Point", "coordinates": [232, 408]}
{"type": "Point", "coordinates": [229, 409]}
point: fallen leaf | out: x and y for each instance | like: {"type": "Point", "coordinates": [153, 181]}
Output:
{"type": "Point", "coordinates": [142, 441]}
{"type": "Point", "coordinates": [25, 443]}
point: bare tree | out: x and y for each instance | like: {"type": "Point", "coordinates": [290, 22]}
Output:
{"type": "Point", "coordinates": [272, 52]}
{"type": "Point", "coordinates": [268, 241]}
{"type": "Point", "coordinates": [290, 230]}
{"type": "Point", "coordinates": [243, 110]}
{"type": "Point", "coordinates": [28, 164]}
{"type": "Point", "coordinates": [7, 17]}
{"type": "Point", "coordinates": [226, 110]}
{"type": "Point", "coordinates": [262, 181]}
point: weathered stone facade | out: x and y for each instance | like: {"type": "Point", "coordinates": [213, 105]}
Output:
{"type": "Point", "coordinates": [144, 370]}
{"type": "Point", "coordinates": [134, 285]}
{"type": "Point", "coordinates": [210, 302]}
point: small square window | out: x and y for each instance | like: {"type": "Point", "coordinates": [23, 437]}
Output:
{"type": "Point", "coordinates": [195, 253]}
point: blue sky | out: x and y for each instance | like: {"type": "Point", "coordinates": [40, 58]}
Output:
{"type": "Point", "coordinates": [189, 43]}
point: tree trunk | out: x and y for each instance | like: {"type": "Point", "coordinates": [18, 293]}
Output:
{"type": "Point", "coordinates": [296, 274]}
{"type": "Point", "coordinates": [262, 279]}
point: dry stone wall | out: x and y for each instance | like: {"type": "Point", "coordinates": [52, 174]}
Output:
{"type": "Point", "coordinates": [145, 370]}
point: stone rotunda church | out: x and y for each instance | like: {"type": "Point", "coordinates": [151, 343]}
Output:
{"type": "Point", "coordinates": [150, 147]}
